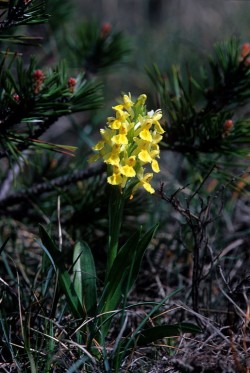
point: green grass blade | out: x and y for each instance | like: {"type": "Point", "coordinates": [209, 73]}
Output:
{"type": "Point", "coordinates": [47, 252]}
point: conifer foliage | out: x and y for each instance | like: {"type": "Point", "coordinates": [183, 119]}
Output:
{"type": "Point", "coordinates": [203, 111]}
{"type": "Point", "coordinates": [36, 98]}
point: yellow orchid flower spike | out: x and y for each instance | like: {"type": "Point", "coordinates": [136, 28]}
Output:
{"type": "Point", "coordinates": [129, 143]}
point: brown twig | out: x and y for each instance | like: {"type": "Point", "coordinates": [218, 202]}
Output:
{"type": "Point", "coordinates": [50, 185]}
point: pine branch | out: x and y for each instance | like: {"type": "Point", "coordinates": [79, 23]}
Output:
{"type": "Point", "coordinates": [95, 47]}
{"type": "Point", "coordinates": [23, 12]}
{"type": "Point", "coordinates": [49, 186]}
{"type": "Point", "coordinates": [36, 95]}
{"type": "Point", "coordinates": [199, 113]}
{"type": "Point", "coordinates": [36, 100]}
{"type": "Point", "coordinates": [26, 143]}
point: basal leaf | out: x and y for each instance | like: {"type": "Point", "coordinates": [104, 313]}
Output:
{"type": "Point", "coordinates": [127, 261]}
{"type": "Point", "coordinates": [63, 275]}
{"type": "Point", "coordinates": [84, 281]}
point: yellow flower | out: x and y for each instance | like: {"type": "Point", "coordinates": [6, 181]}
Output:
{"type": "Point", "coordinates": [144, 156]}
{"type": "Point", "coordinates": [141, 100]}
{"type": "Point", "coordinates": [146, 135]}
{"type": "Point", "coordinates": [127, 171]}
{"type": "Point", "coordinates": [144, 182]}
{"type": "Point", "coordinates": [158, 127]}
{"type": "Point", "coordinates": [114, 124]}
{"type": "Point", "coordinates": [131, 161]}
{"type": "Point", "coordinates": [155, 166]}
{"type": "Point", "coordinates": [127, 102]}
{"type": "Point", "coordinates": [115, 179]}
{"type": "Point", "coordinates": [120, 114]}
{"type": "Point", "coordinates": [117, 107]}
{"type": "Point", "coordinates": [130, 143]}
{"type": "Point", "coordinates": [107, 135]}
{"type": "Point", "coordinates": [120, 139]}
{"type": "Point", "coordinates": [113, 157]}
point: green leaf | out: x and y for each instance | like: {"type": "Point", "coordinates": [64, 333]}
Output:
{"type": "Point", "coordinates": [63, 275]}
{"type": "Point", "coordinates": [140, 250]}
{"type": "Point", "coordinates": [84, 281]}
{"type": "Point", "coordinates": [127, 262]}
{"type": "Point", "coordinates": [114, 280]}
{"type": "Point", "coordinates": [150, 335]}
{"type": "Point", "coordinates": [123, 274]}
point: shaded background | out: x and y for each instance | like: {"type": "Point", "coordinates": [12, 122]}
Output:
{"type": "Point", "coordinates": [165, 32]}
{"type": "Point", "coordinates": [169, 31]}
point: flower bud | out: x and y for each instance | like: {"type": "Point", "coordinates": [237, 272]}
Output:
{"type": "Point", "coordinates": [245, 50]}
{"type": "Point", "coordinates": [38, 77]}
{"type": "Point", "coordinates": [227, 127]}
{"type": "Point", "coordinates": [105, 30]}
{"type": "Point", "coordinates": [71, 84]}
{"type": "Point", "coordinates": [16, 97]}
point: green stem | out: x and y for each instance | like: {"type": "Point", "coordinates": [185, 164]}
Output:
{"type": "Point", "coordinates": [115, 211]}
